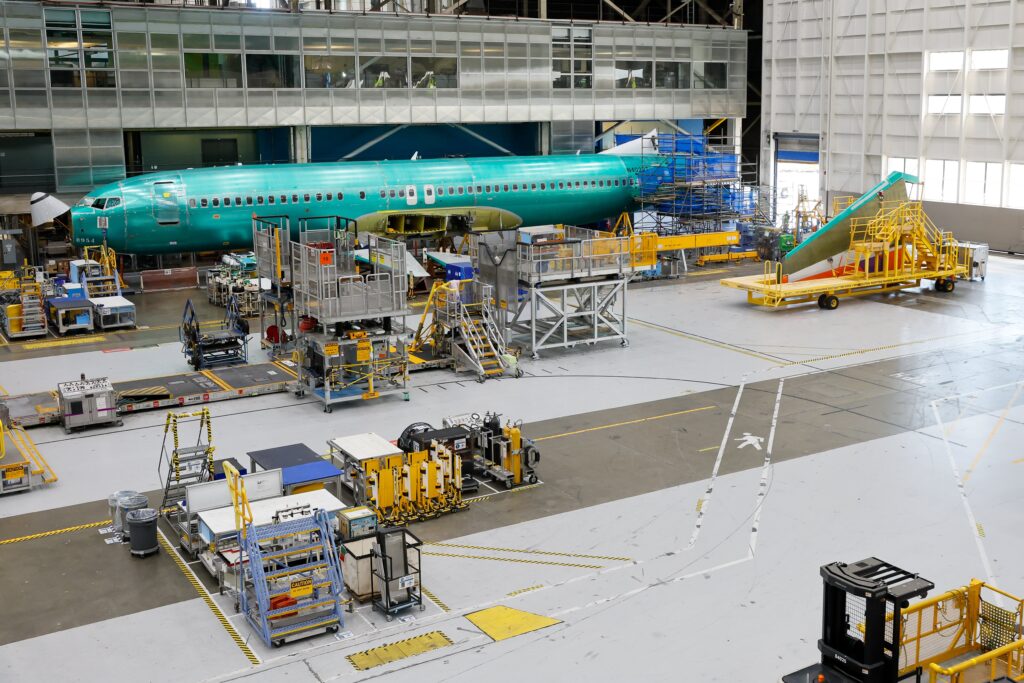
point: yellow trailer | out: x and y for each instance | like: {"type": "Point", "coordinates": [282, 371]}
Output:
{"type": "Point", "coordinates": [893, 250]}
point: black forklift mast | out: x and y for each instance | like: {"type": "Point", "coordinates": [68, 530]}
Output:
{"type": "Point", "coordinates": [861, 623]}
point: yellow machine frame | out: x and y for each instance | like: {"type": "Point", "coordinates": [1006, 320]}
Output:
{"type": "Point", "coordinates": [900, 245]}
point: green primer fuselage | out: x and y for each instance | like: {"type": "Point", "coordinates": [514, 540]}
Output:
{"type": "Point", "coordinates": [212, 208]}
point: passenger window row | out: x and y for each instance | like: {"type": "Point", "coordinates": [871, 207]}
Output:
{"type": "Point", "coordinates": [452, 190]}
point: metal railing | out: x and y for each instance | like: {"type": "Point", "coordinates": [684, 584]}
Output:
{"type": "Point", "coordinates": [580, 253]}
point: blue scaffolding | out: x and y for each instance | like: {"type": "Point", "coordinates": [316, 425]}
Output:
{"type": "Point", "coordinates": [291, 583]}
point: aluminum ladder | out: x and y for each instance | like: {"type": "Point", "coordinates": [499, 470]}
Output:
{"type": "Point", "coordinates": [306, 576]}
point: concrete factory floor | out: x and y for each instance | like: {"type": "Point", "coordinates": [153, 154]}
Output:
{"type": "Point", "coordinates": [693, 483]}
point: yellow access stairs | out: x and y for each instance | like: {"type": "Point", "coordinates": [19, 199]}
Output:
{"type": "Point", "coordinates": [14, 441]}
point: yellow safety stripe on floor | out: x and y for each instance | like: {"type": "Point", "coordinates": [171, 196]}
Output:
{"type": "Point", "coordinates": [434, 599]}
{"type": "Point", "coordinates": [525, 590]}
{"type": "Point", "coordinates": [531, 552]}
{"type": "Point", "coordinates": [55, 532]}
{"type": "Point", "coordinates": [208, 374]}
{"type": "Point", "coordinates": [144, 391]}
{"type": "Point", "coordinates": [201, 590]}
{"type": "Point", "coordinates": [392, 652]}
{"type": "Point", "coordinates": [3, 392]}
{"type": "Point", "coordinates": [624, 424]}
{"type": "Point", "coordinates": [503, 622]}
{"type": "Point", "coordinates": [286, 368]}
{"type": "Point", "coordinates": [710, 342]}
{"type": "Point", "coordinates": [486, 496]}
{"type": "Point", "coordinates": [53, 343]}
{"type": "Point", "coordinates": [516, 560]}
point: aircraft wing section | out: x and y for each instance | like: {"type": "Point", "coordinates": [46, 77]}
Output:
{"type": "Point", "coordinates": [811, 257]}
{"type": "Point", "coordinates": [425, 220]}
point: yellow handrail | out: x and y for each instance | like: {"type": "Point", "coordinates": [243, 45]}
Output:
{"type": "Point", "coordinates": [990, 658]}
{"type": "Point", "coordinates": [239, 498]}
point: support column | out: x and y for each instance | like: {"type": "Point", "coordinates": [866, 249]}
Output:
{"type": "Point", "coordinates": [545, 136]}
{"type": "Point", "coordinates": [300, 144]}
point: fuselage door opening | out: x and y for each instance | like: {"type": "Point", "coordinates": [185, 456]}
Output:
{"type": "Point", "coordinates": [428, 194]}
{"type": "Point", "coordinates": [167, 202]}
{"type": "Point", "coordinates": [410, 195]}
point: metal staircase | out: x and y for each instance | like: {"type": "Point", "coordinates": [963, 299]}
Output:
{"type": "Point", "coordinates": [902, 239]}
{"type": "Point", "coordinates": [33, 314]}
{"type": "Point", "coordinates": [185, 465]}
{"type": "Point", "coordinates": [24, 444]}
{"type": "Point", "coordinates": [482, 347]}
{"type": "Point", "coordinates": [291, 583]}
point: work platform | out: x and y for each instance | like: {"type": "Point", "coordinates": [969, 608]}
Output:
{"type": "Point", "coordinates": [151, 393]}
{"type": "Point", "coordinates": [22, 466]}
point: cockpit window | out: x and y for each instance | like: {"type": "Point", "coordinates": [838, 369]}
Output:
{"type": "Point", "coordinates": [112, 202]}
{"type": "Point", "coordinates": [99, 202]}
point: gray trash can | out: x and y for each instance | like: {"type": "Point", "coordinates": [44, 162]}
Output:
{"type": "Point", "coordinates": [115, 513]}
{"type": "Point", "coordinates": [126, 504]}
{"type": "Point", "coordinates": [141, 525]}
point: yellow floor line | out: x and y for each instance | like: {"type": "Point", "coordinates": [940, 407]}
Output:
{"type": "Point", "coordinates": [402, 649]}
{"type": "Point", "coordinates": [487, 496]}
{"type": "Point", "coordinates": [434, 599]}
{"type": "Point", "coordinates": [205, 595]}
{"type": "Point", "coordinates": [55, 532]}
{"type": "Point", "coordinates": [709, 342]}
{"type": "Point", "coordinates": [54, 343]}
{"type": "Point", "coordinates": [286, 368]}
{"type": "Point", "coordinates": [525, 590]}
{"type": "Point", "coordinates": [208, 374]}
{"type": "Point", "coordinates": [991, 435]}
{"type": "Point", "coordinates": [709, 448]}
{"type": "Point", "coordinates": [515, 560]}
{"type": "Point", "coordinates": [531, 552]}
{"type": "Point", "coordinates": [625, 423]}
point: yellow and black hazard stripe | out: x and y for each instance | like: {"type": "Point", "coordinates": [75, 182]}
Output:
{"type": "Point", "coordinates": [531, 552]}
{"type": "Point", "coordinates": [434, 599]}
{"type": "Point", "coordinates": [205, 595]}
{"type": "Point", "coordinates": [525, 590]}
{"type": "Point", "coordinates": [55, 532]}
{"type": "Point", "coordinates": [517, 560]}
{"type": "Point", "coordinates": [517, 489]}
{"type": "Point", "coordinates": [400, 649]}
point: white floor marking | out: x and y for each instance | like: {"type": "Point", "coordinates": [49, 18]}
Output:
{"type": "Point", "coordinates": [766, 470]}
{"type": "Point", "coordinates": [706, 500]}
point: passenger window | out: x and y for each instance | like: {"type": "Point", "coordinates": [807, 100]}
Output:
{"type": "Point", "coordinates": [533, 186]}
{"type": "Point", "coordinates": [238, 201]}
{"type": "Point", "coordinates": [487, 189]}
{"type": "Point", "coordinates": [203, 202]}
{"type": "Point", "coordinates": [319, 197]}
{"type": "Point", "coordinates": [577, 183]}
{"type": "Point", "coordinates": [460, 189]}
{"type": "Point", "coordinates": [505, 188]}
{"type": "Point", "coordinates": [469, 190]}
{"type": "Point", "coordinates": [330, 196]}
{"type": "Point", "coordinates": [616, 182]}
{"type": "Point", "coordinates": [248, 201]}
{"type": "Point", "coordinates": [192, 203]}
{"type": "Point", "coordinates": [600, 183]}
{"type": "Point", "coordinates": [451, 189]}
{"type": "Point", "coordinates": [216, 201]}
{"type": "Point", "coordinates": [305, 198]}
{"type": "Point", "coordinates": [259, 200]}
{"type": "Point", "coordinates": [284, 199]}
{"type": "Point", "coordinates": [391, 193]}
{"type": "Point", "coordinates": [227, 201]}
{"type": "Point", "coordinates": [401, 193]}
{"type": "Point", "coordinates": [362, 194]}
{"type": "Point", "coordinates": [440, 191]}
{"type": "Point", "coordinates": [479, 189]}
{"type": "Point", "coordinates": [340, 196]}
{"type": "Point", "coordinates": [561, 185]}
{"type": "Point", "coordinates": [515, 187]}
{"type": "Point", "coordinates": [270, 199]}
{"type": "Point", "coordinates": [543, 187]}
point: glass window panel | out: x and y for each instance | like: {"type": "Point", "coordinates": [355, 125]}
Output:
{"type": "Point", "coordinates": [315, 43]}
{"type": "Point", "coordinates": [164, 41]}
{"type": "Point", "coordinates": [383, 72]}
{"type": "Point", "coordinates": [95, 18]}
{"type": "Point", "coordinates": [27, 40]}
{"type": "Point", "coordinates": [64, 39]}
{"type": "Point", "coordinates": [135, 100]}
{"type": "Point", "coordinates": [945, 61]}
{"type": "Point", "coordinates": [286, 43]}
{"type": "Point", "coordinates": [136, 41]}
{"type": "Point", "coordinates": [132, 60]}
{"type": "Point", "coordinates": [100, 79]}
{"type": "Point", "coordinates": [196, 41]}
{"type": "Point", "coordinates": [69, 100]}
{"type": "Point", "coordinates": [167, 98]}
{"type": "Point", "coordinates": [164, 60]}
{"type": "Point", "coordinates": [989, 59]}
{"type": "Point", "coordinates": [561, 73]}
{"type": "Point", "coordinates": [711, 76]}
{"type": "Point", "coordinates": [335, 71]}
{"type": "Point", "coordinates": [632, 74]}
{"type": "Point", "coordinates": [435, 72]}
{"type": "Point", "coordinates": [369, 44]}
{"type": "Point", "coordinates": [1015, 179]}
{"type": "Point", "coordinates": [944, 104]}
{"type": "Point", "coordinates": [31, 78]}
{"type": "Point", "coordinates": [445, 47]}
{"type": "Point", "coordinates": [393, 45]}
{"type": "Point", "coordinates": [65, 79]}
{"type": "Point", "coordinates": [227, 42]}
{"type": "Point", "coordinates": [60, 17]}
{"type": "Point", "coordinates": [99, 59]}
{"type": "Point", "coordinates": [166, 79]}
{"type": "Point", "coordinates": [104, 99]}
{"type": "Point", "coordinates": [257, 42]}
{"type": "Point", "coordinates": [672, 75]}
{"type": "Point", "coordinates": [135, 79]}
{"type": "Point", "coordinates": [421, 46]}
{"type": "Point", "coordinates": [213, 70]}
{"type": "Point", "coordinates": [994, 105]}
{"type": "Point", "coordinates": [63, 58]}
{"type": "Point", "coordinates": [983, 183]}
{"type": "Point", "coordinates": [344, 43]}
{"type": "Point", "coordinates": [272, 71]}
{"type": "Point", "coordinates": [98, 39]}
{"type": "Point", "coordinates": [31, 99]}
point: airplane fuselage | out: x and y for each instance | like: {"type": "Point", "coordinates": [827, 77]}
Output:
{"type": "Point", "coordinates": [212, 208]}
